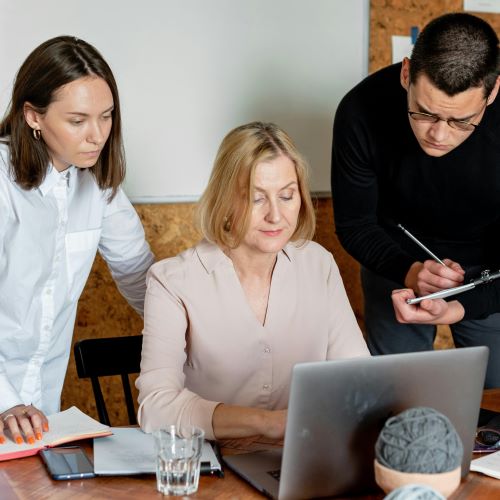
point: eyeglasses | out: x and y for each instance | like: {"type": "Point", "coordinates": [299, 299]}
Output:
{"type": "Point", "coordinates": [462, 125]}
{"type": "Point", "coordinates": [488, 438]}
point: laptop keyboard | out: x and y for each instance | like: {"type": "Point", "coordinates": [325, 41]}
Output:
{"type": "Point", "coordinates": [275, 473]}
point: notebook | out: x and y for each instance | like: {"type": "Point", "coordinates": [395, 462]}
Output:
{"type": "Point", "coordinates": [130, 451]}
{"type": "Point", "coordinates": [64, 427]}
{"type": "Point", "coordinates": [337, 409]}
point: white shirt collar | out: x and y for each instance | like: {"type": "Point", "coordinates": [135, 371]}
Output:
{"type": "Point", "coordinates": [53, 176]}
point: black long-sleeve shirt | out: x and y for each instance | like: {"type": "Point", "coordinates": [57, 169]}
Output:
{"type": "Point", "coordinates": [381, 177]}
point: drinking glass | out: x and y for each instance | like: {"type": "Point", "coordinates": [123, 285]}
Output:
{"type": "Point", "coordinates": [178, 452]}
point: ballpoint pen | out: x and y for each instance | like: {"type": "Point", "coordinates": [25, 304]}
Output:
{"type": "Point", "coordinates": [421, 245]}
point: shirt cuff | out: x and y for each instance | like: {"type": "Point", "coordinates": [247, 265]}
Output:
{"type": "Point", "coordinates": [480, 302]}
{"type": "Point", "coordinates": [202, 416]}
{"type": "Point", "coordinates": [394, 269]}
{"type": "Point", "coordinates": [9, 396]}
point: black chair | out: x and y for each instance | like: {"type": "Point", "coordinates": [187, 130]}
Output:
{"type": "Point", "coordinates": [109, 356]}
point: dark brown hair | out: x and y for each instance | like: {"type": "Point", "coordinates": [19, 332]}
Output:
{"type": "Point", "coordinates": [51, 65]}
{"type": "Point", "coordinates": [457, 52]}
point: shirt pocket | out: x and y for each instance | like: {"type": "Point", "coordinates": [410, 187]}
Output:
{"type": "Point", "coordinates": [81, 248]}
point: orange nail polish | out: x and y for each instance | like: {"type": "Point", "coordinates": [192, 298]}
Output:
{"type": "Point", "coordinates": [45, 427]}
{"type": "Point", "coordinates": [2, 440]}
{"type": "Point", "coordinates": [31, 440]}
{"type": "Point", "coordinates": [19, 440]}
{"type": "Point", "coordinates": [39, 435]}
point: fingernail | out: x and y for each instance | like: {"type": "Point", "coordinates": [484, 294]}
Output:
{"type": "Point", "coordinates": [19, 440]}
{"type": "Point", "coordinates": [39, 435]}
{"type": "Point", "coordinates": [2, 440]}
{"type": "Point", "coordinates": [45, 427]}
{"type": "Point", "coordinates": [31, 440]}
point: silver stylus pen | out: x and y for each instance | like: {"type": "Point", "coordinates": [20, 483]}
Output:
{"type": "Point", "coordinates": [421, 245]}
{"type": "Point", "coordinates": [443, 293]}
{"type": "Point", "coordinates": [485, 277]}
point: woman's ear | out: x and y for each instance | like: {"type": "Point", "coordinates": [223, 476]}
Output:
{"type": "Point", "coordinates": [31, 116]}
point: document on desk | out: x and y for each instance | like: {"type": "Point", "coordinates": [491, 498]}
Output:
{"type": "Point", "coordinates": [131, 451]}
{"type": "Point", "coordinates": [489, 465]}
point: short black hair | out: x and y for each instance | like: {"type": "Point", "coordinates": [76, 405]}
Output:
{"type": "Point", "coordinates": [457, 52]}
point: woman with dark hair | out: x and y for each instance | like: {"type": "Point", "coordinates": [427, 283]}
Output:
{"type": "Point", "coordinates": [61, 166]}
{"type": "Point", "coordinates": [226, 321]}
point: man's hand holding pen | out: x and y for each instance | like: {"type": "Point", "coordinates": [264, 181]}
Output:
{"type": "Point", "coordinates": [422, 279]}
{"type": "Point", "coordinates": [431, 276]}
{"type": "Point", "coordinates": [432, 281]}
{"type": "Point", "coordinates": [429, 311]}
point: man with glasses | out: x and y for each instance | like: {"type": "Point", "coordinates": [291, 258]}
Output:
{"type": "Point", "coordinates": [418, 144]}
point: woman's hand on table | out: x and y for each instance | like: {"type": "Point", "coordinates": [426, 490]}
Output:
{"type": "Point", "coordinates": [23, 420]}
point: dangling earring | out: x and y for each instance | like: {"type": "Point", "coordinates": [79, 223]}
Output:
{"type": "Point", "coordinates": [227, 224]}
{"type": "Point", "coordinates": [37, 134]}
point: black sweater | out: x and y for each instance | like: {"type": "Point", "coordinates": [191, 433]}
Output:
{"type": "Point", "coordinates": [381, 177]}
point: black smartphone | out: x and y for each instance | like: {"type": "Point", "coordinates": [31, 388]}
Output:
{"type": "Point", "coordinates": [67, 462]}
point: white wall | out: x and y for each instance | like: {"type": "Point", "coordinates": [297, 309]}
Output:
{"type": "Point", "coordinates": [188, 71]}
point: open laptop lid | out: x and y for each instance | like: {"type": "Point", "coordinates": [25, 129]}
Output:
{"type": "Point", "coordinates": [337, 409]}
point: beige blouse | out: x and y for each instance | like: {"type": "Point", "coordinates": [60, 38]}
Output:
{"type": "Point", "coordinates": [203, 344]}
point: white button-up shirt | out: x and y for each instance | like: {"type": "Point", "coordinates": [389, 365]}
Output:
{"type": "Point", "coordinates": [48, 241]}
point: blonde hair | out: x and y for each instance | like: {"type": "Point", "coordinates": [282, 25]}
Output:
{"type": "Point", "coordinates": [225, 207]}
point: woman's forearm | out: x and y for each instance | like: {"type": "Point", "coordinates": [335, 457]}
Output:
{"type": "Point", "coordinates": [238, 422]}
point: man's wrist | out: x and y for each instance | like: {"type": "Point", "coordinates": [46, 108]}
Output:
{"type": "Point", "coordinates": [455, 312]}
{"type": "Point", "coordinates": [412, 274]}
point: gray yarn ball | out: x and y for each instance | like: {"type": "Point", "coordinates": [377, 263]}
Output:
{"type": "Point", "coordinates": [419, 440]}
{"type": "Point", "coordinates": [414, 492]}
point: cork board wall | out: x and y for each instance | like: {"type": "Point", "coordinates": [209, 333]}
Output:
{"type": "Point", "coordinates": [396, 17]}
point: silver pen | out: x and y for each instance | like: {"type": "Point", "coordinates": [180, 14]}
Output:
{"type": "Point", "coordinates": [443, 293]}
{"type": "Point", "coordinates": [421, 245]}
{"type": "Point", "coordinates": [486, 277]}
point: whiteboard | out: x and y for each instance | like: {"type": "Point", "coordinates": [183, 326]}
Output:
{"type": "Point", "coordinates": [188, 71]}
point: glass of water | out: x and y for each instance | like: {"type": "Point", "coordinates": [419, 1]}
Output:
{"type": "Point", "coordinates": [178, 453]}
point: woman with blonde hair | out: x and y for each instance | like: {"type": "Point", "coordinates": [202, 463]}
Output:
{"type": "Point", "coordinates": [226, 321]}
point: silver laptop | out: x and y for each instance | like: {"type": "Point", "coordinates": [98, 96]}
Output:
{"type": "Point", "coordinates": [337, 409]}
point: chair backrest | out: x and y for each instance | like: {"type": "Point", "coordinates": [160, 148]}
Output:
{"type": "Point", "coordinates": [109, 356]}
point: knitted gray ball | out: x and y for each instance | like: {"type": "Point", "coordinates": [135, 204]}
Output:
{"type": "Point", "coordinates": [414, 492]}
{"type": "Point", "coordinates": [419, 440]}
